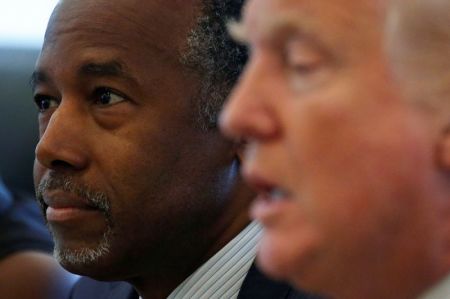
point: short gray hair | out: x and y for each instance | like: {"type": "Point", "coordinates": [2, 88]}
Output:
{"type": "Point", "coordinates": [215, 57]}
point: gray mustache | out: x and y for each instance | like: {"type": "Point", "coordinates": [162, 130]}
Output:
{"type": "Point", "coordinates": [67, 184]}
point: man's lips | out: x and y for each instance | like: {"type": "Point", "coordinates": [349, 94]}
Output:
{"type": "Point", "coordinates": [266, 209]}
{"type": "Point", "coordinates": [66, 214]}
{"type": "Point", "coordinates": [63, 206]}
{"type": "Point", "coordinates": [268, 189]}
{"type": "Point", "coordinates": [271, 200]}
{"type": "Point", "coordinates": [60, 199]}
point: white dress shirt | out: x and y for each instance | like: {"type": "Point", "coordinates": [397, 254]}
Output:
{"type": "Point", "coordinates": [223, 274]}
{"type": "Point", "coordinates": [440, 291]}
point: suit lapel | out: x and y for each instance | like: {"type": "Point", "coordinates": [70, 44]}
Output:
{"type": "Point", "coordinates": [257, 285]}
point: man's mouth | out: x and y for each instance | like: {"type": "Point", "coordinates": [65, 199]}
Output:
{"type": "Point", "coordinates": [69, 213]}
{"type": "Point", "coordinates": [60, 206]}
{"type": "Point", "coordinates": [276, 194]}
{"type": "Point", "coordinates": [267, 189]}
{"type": "Point", "coordinates": [271, 204]}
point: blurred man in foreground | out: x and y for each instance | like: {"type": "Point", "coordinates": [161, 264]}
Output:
{"type": "Point", "coordinates": [352, 177]}
{"type": "Point", "coordinates": [136, 182]}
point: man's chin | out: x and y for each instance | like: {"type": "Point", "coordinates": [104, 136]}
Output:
{"type": "Point", "coordinates": [84, 256]}
{"type": "Point", "coordinates": [83, 259]}
{"type": "Point", "coordinates": [91, 263]}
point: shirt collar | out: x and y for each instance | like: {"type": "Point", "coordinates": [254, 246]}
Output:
{"type": "Point", "coordinates": [440, 291]}
{"type": "Point", "coordinates": [223, 274]}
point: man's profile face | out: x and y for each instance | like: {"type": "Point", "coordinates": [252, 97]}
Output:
{"type": "Point", "coordinates": [339, 160]}
{"type": "Point", "coordinates": [125, 176]}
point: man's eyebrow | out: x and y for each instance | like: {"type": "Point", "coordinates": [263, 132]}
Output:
{"type": "Point", "coordinates": [306, 26]}
{"type": "Point", "coordinates": [105, 69]}
{"type": "Point", "coordinates": [36, 78]}
{"type": "Point", "coordinates": [92, 69]}
{"type": "Point", "coordinates": [271, 25]}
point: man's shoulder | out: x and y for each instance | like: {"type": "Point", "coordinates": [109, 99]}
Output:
{"type": "Point", "coordinates": [87, 288]}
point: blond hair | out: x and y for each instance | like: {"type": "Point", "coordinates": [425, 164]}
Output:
{"type": "Point", "coordinates": [418, 42]}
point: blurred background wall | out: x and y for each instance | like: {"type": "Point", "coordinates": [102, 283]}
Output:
{"type": "Point", "coordinates": [18, 117]}
{"type": "Point", "coordinates": [22, 26]}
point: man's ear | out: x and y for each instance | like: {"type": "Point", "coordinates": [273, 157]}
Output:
{"type": "Point", "coordinates": [443, 150]}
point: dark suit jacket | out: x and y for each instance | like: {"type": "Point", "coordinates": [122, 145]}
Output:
{"type": "Point", "coordinates": [255, 286]}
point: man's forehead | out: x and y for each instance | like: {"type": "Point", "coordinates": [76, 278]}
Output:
{"type": "Point", "coordinates": [321, 17]}
{"type": "Point", "coordinates": [164, 24]}
{"type": "Point", "coordinates": [134, 9]}
{"type": "Point", "coordinates": [344, 29]}
{"type": "Point", "coordinates": [174, 5]}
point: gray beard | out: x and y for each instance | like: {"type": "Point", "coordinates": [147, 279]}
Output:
{"type": "Point", "coordinates": [84, 256]}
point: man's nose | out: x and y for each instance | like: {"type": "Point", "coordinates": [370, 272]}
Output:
{"type": "Point", "coordinates": [249, 112]}
{"type": "Point", "coordinates": [62, 144]}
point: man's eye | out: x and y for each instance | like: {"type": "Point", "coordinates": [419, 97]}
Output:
{"type": "Point", "coordinates": [301, 57]}
{"type": "Point", "coordinates": [305, 68]}
{"type": "Point", "coordinates": [45, 103]}
{"type": "Point", "coordinates": [107, 97]}
{"type": "Point", "coordinates": [303, 63]}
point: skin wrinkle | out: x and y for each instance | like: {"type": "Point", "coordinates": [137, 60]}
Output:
{"type": "Point", "coordinates": [136, 29]}
{"type": "Point", "coordinates": [110, 69]}
{"type": "Point", "coordinates": [304, 21]}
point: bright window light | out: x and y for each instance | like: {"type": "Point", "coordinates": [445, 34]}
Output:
{"type": "Point", "coordinates": [23, 22]}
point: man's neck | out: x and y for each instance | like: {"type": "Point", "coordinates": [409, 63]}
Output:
{"type": "Point", "coordinates": [162, 279]}
{"type": "Point", "coordinates": [159, 284]}
{"type": "Point", "coordinates": [223, 274]}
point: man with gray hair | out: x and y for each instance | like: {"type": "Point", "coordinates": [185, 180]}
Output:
{"type": "Point", "coordinates": [135, 180]}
